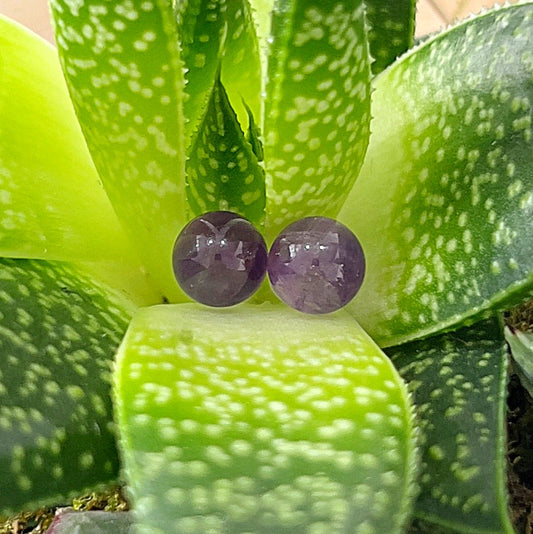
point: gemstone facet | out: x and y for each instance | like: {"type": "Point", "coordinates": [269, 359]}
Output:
{"type": "Point", "coordinates": [316, 265]}
{"type": "Point", "coordinates": [219, 259]}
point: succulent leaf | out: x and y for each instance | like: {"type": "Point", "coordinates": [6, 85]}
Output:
{"type": "Point", "coordinates": [391, 30]}
{"type": "Point", "coordinates": [219, 36]}
{"type": "Point", "coordinates": [260, 419]}
{"type": "Point", "coordinates": [521, 345]}
{"type": "Point", "coordinates": [202, 26]}
{"type": "Point", "coordinates": [123, 70]}
{"type": "Point", "coordinates": [222, 170]}
{"type": "Point", "coordinates": [459, 384]}
{"type": "Point", "coordinates": [317, 107]}
{"type": "Point", "coordinates": [241, 65]}
{"type": "Point", "coordinates": [51, 201]}
{"type": "Point", "coordinates": [448, 181]}
{"type": "Point", "coordinates": [58, 334]}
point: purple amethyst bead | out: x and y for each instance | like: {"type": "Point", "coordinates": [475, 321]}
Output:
{"type": "Point", "coordinates": [219, 259]}
{"type": "Point", "coordinates": [316, 265]}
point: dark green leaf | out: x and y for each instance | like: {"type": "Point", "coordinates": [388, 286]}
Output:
{"type": "Point", "coordinates": [317, 108]}
{"type": "Point", "coordinates": [444, 203]}
{"type": "Point", "coordinates": [521, 345]}
{"type": "Point", "coordinates": [222, 171]}
{"type": "Point", "coordinates": [58, 334]}
{"type": "Point", "coordinates": [125, 77]}
{"type": "Point", "coordinates": [202, 31]}
{"type": "Point", "coordinates": [216, 33]}
{"type": "Point", "coordinates": [258, 419]}
{"type": "Point", "coordinates": [391, 30]}
{"type": "Point", "coordinates": [459, 383]}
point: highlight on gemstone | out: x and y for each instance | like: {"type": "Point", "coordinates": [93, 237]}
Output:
{"type": "Point", "coordinates": [316, 265]}
{"type": "Point", "coordinates": [219, 259]}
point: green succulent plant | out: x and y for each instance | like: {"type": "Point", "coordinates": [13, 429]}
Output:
{"type": "Point", "coordinates": [257, 418]}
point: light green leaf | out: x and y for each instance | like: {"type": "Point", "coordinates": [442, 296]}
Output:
{"type": "Point", "coordinates": [521, 345]}
{"type": "Point", "coordinates": [125, 78]}
{"type": "Point", "coordinates": [257, 418]}
{"type": "Point", "coordinates": [459, 384]}
{"type": "Point", "coordinates": [58, 333]}
{"type": "Point", "coordinates": [391, 30]}
{"type": "Point", "coordinates": [52, 204]}
{"type": "Point", "coordinates": [317, 107]}
{"type": "Point", "coordinates": [444, 203]}
{"type": "Point", "coordinates": [222, 170]}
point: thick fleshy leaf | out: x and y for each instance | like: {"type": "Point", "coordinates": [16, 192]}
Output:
{"type": "Point", "coordinates": [202, 32]}
{"type": "Point", "coordinates": [317, 107]}
{"type": "Point", "coordinates": [391, 30]}
{"type": "Point", "coordinates": [257, 418]}
{"type": "Point", "coordinates": [218, 36]}
{"type": "Point", "coordinates": [125, 78]}
{"type": "Point", "coordinates": [241, 65]}
{"type": "Point", "coordinates": [521, 345]}
{"type": "Point", "coordinates": [68, 521]}
{"type": "Point", "coordinates": [52, 204]}
{"type": "Point", "coordinates": [459, 384]}
{"type": "Point", "coordinates": [58, 334]}
{"type": "Point", "coordinates": [444, 203]}
{"type": "Point", "coordinates": [222, 170]}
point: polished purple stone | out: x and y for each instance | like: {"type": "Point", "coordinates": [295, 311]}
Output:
{"type": "Point", "coordinates": [316, 265]}
{"type": "Point", "coordinates": [219, 259]}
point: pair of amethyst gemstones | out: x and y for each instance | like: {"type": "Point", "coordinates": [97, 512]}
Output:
{"type": "Point", "coordinates": [316, 265]}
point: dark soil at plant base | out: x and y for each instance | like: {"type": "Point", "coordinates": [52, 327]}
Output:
{"type": "Point", "coordinates": [520, 456]}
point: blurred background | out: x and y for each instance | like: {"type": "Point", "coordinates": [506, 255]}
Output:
{"type": "Point", "coordinates": [432, 14]}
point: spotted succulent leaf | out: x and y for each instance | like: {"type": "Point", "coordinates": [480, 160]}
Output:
{"type": "Point", "coordinates": [260, 419]}
{"type": "Point", "coordinates": [219, 36]}
{"type": "Point", "coordinates": [459, 385]}
{"type": "Point", "coordinates": [317, 107]}
{"type": "Point", "coordinates": [521, 345]}
{"type": "Point", "coordinates": [51, 202]}
{"type": "Point", "coordinates": [222, 170]}
{"type": "Point", "coordinates": [391, 30]}
{"type": "Point", "coordinates": [58, 334]}
{"type": "Point", "coordinates": [448, 181]}
{"type": "Point", "coordinates": [202, 28]}
{"type": "Point", "coordinates": [123, 69]}
{"type": "Point", "coordinates": [241, 65]}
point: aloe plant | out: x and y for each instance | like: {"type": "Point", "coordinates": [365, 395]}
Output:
{"type": "Point", "coordinates": [257, 418]}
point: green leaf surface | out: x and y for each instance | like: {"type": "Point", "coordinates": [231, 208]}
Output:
{"type": "Point", "coordinates": [202, 28]}
{"type": "Point", "coordinates": [241, 64]}
{"type": "Point", "coordinates": [58, 334]}
{"type": "Point", "coordinates": [219, 36]}
{"type": "Point", "coordinates": [222, 170]}
{"type": "Point", "coordinates": [52, 204]}
{"type": "Point", "coordinates": [459, 384]}
{"type": "Point", "coordinates": [317, 107]}
{"type": "Point", "coordinates": [257, 418]}
{"type": "Point", "coordinates": [122, 67]}
{"type": "Point", "coordinates": [391, 30]}
{"type": "Point", "coordinates": [444, 203]}
{"type": "Point", "coordinates": [521, 345]}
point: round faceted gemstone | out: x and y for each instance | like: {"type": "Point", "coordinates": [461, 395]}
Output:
{"type": "Point", "coordinates": [219, 259]}
{"type": "Point", "coordinates": [316, 265]}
